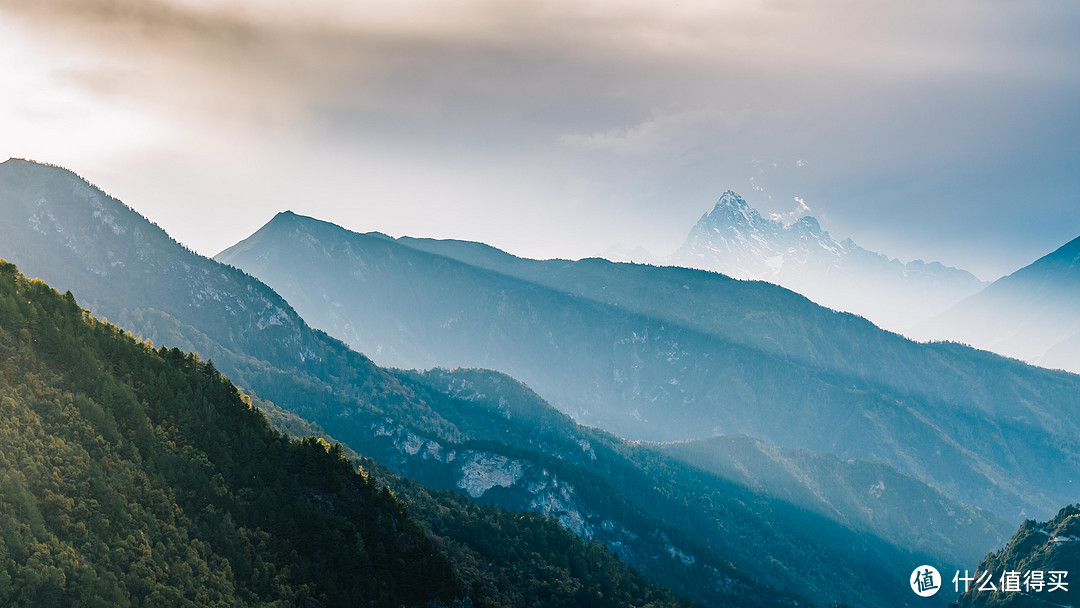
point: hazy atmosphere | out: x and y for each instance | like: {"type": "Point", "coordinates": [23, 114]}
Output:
{"type": "Point", "coordinates": [942, 131]}
{"type": "Point", "coordinates": [274, 405]}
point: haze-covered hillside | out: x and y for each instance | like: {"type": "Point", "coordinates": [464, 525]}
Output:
{"type": "Point", "coordinates": [663, 354]}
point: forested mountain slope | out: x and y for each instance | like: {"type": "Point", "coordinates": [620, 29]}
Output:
{"type": "Point", "coordinates": [140, 477]}
{"type": "Point", "coordinates": [1036, 569]}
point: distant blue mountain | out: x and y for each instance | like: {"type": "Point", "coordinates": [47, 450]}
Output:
{"type": "Point", "coordinates": [1032, 314]}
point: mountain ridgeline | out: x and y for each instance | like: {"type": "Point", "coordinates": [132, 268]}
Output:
{"type": "Point", "coordinates": [664, 353]}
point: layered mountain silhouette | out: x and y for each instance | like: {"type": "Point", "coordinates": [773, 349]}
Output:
{"type": "Point", "coordinates": [734, 239]}
{"type": "Point", "coordinates": [668, 354]}
{"type": "Point", "coordinates": [1032, 314]}
{"type": "Point", "coordinates": [480, 434]}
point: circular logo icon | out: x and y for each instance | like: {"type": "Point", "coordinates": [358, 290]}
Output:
{"type": "Point", "coordinates": [925, 581]}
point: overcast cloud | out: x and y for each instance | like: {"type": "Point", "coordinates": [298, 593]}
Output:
{"type": "Point", "coordinates": [943, 131]}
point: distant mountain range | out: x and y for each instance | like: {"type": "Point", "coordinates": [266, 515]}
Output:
{"type": "Point", "coordinates": [668, 354]}
{"type": "Point", "coordinates": [1032, 314]}
{"type": "Point", "coordinates": [479, 433]}
{"type": "Point", "coordinates": [736, 240]}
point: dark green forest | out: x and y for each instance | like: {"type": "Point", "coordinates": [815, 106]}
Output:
{"type": "Point", "coordinates": [138, 477]}
{"type": "Point", "coordinates": [135, 476]}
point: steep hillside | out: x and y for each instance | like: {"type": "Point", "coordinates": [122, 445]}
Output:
{"type": "Point", "coordinates": [135, 477]}
{"type": "Point", "coordinates": [498, 551]}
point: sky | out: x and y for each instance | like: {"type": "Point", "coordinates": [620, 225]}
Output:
{"type": "Point", "coordinates": [942, 131]}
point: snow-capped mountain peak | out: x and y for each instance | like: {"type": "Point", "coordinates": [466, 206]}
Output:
{"type": "Point", "coordinates": [731, 200]}
{"type": "Point", "coordinates": [811, 225]}
{"type": "Point", "coordinates": [735, 239]}
{"type": "Point", "coordinates": [732, 211]}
